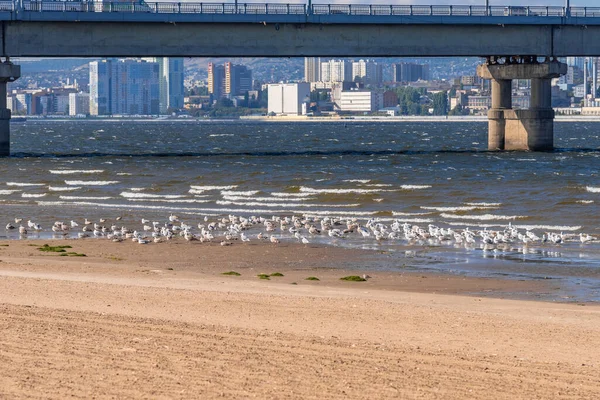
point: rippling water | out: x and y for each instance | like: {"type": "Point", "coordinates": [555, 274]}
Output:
{"type": "Point", "coordinates": [417, 172]}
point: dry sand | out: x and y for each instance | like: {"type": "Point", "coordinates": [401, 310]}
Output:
{"type": "Point", "coordinates": [160, 321]}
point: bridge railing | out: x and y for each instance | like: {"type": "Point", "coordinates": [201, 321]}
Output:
{"type": "Point", "coordinates": [140, 6]}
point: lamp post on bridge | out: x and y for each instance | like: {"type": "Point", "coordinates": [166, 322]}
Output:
{"type": "Point", "coordinates": [487, 7]}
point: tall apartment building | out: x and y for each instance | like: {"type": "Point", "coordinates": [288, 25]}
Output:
{"type": "Point", "coordinates": [124, 87]}
{"type": "Point", "coordinates": [170, 76]}
{"type": "Point", "coordinates": [367, 71]}
{"type": "Point", "coordinates": [312, 69]}
{"type": "Point", "coordinates": [79, 103]}
{"type": "Point", "coordinates": [336, 71]}
{"type": "Point", "coordinates": [409, 72]}
{"type": "Point", "coordinates": [228, 80]}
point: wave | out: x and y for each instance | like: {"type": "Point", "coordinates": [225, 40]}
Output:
{"type": "Point", "coordinates": [63, 188]}
{"type": "Point", "coordinates": [283, 194]}
{"type": "Point", "coordinates": [124, 173]}
{"type": "Point", "coordinates": [585, 201]}
{"type": "Point", "coordinates": [405, 214]}
{"type": "Point", "coordinates": [196, 191]}
{"type": "Point", "coordinates": [414, 187]}
{"type": "Point", "coordinates": [23, 184]}
{"type": "Point", "coordinates": [592, 189]}
{"type": "Point", "coordinates": [484, 204]}
{"type": "Point", "coordinates": [172, 200]}
{"type": "Point", "coordinates": [85, 198]}
{"type": "Point", "coordinates": [8, 191]}
{"type": "Point", "coordinates": [416, 220]}
{"type": "Point", "coordinates": [267, 199]}
{"type": "Point", "coordinates": [33, 195]}
{"type": "Point", "coordinates": [458, 208]}
{"type": "Point", "coordinates": [357, 180]}
{"type": "Point", "coordinates": [130, 195]}
{"type": "Point", "coordinates": [484, 217]}
{"type": "Point", "coordinates": [340, 191]}
{"type": "Point", "coordinates": [239, 193]}
{"type": "Point", "coordinates": [213, 187]}
{"type": "Point", "coordinates": [91, 183]}
{"type": "Point", "coordinates": [258, 203]}
{"type": "Point", "coordinates": [76, 171]}
{"type": "Point", "coordinates": [137, 189]}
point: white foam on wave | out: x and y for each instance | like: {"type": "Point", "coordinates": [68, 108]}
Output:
{"type": "Point", "coordinates": [132, 195]}
{"type": "Point", "coordinates": [357, 180]}
{"type": "Point", "coordinates": [76, 171]}
{"type": "Point", "coordinates": [262, 204]}
{"type": "Point", "coordinates": [239, 193]}
{"type": "Point", "coordinates": [484, 217]}
{"type": "Point", "coordinates": [484, 204]}
{"type": "Point", "coordinates": [585, 201]}
{"type": "Point", "coordinates": [124, 173]}
{"type": "Point", "coordinates": [292, 195]}
{"type": "Point", "coordinates": [340, 191]}
{"type": "Point", "coordinates": [196, 191]}
{"type": "Point", "coordinates": [137, 189]}
{"type": "Point", "coordinates": [379, 185]}
{"type": "Point", "coordinates": [8, 191]}
{"type": "Point", "coordinates": [213, 187]}
{"type": "Point", "coordinates": [592, 189]}
{"type": "Point", "coordinates": [556, 228]}
{"type": "Point", "coordinates": [416, 220]}
{"type": "Point", "coordinates": [405, 214]}
{"type": "Point", "coordinates": [265, 199]}
{"type": "Point", "coordinates": [414, 187]}
{"type": "Point", "coordinates": [91, 183]}
{"type": "Point", "coordinates": [173, 200]}
{"type": "Point", "coordinates": [23, 184]}
{"type": "Point", "coordinates": [458, 208]}
{"type": "Point", "coordinates": [85, 197]}
{"type": "Point", "coordinates": [63, 188]}
{"type": "Point", "coordinates": [33, 195]}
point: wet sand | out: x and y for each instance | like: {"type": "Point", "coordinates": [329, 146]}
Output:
{"type": "Point", "coordinates": [160, 321]}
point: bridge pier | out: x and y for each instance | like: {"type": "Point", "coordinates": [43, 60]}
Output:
{"type": "Point", "coordinates": [8, 73]}
{"type": "Point", "coordinates": [531, 129]}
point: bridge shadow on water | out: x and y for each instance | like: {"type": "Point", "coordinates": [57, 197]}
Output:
{"type": "Point", "coordinates": [305, 153]}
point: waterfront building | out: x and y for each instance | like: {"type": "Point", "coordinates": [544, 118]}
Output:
{"type": "Point", "coordinates": [336, 71]}
{"type": "Point", "coordinates": [79, 103]}
{"type": "Point", "coordinates": [360, 101]}
{"type": "Point", "coordinates": [124, 87]}
{"type": "Point", "coordinates": [409, 72]}
{"type": "Point", "coordinates": [288, 98]}
{"type": "Point", "coordinates": [170, 76]}
{"type": "Point", "coordinates": [228, 80]}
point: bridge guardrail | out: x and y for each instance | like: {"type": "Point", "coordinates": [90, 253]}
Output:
{"type": "Point", "coordinates": [140, 6]}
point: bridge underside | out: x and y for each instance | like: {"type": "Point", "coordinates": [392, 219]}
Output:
{"type": "Point", "coordinates": [122, 39]}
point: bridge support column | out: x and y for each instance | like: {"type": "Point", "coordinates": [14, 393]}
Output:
{"type": "Point", "coordinates": [501, 100]}
{"type": "Point", "coordinates": [531, 129]}
{"type": "Point", "coordinates": [8, 73]}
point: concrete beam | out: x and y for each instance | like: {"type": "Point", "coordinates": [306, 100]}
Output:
{"type": "Point", "coordinates": [547, 70]}
{"type": "Point", "coordinates": [113, 39]}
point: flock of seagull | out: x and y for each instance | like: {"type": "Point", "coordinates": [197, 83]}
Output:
{"type": "Point", "coordinates": [231, 228]}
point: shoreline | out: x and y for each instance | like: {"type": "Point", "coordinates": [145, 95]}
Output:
{"type": "Point", "coordinates": [131, 321]}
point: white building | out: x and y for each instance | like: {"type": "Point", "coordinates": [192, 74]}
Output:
{"type": "Point", "coordinates": [288, 98]}
{"type": "Point", "coordinates": [79, 103]}
{"type": "Point", "coordinates": [367, 71]}
{"type": "Point", "coordinates": [336, 71]}
{"type": "Point", "coordinates": [312, 69]}
{"type": "Point", "coordinates": [360, 101]}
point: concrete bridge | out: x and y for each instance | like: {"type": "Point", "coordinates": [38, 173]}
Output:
{"type": "Point", "coordinates": [113, 29]}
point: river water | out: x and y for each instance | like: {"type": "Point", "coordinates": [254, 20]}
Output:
{"type": "Point", "coordinates": [419, 173]}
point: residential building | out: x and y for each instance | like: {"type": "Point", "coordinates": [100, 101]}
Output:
{"type": "Point", "coordinates": [238, 80]}
{"type": "Point", "coordinates": [288, 98]}
{"type": "Point", "coordinates": [79, 103]}
{"type": "Point", "coordinates": [409, 72]}
{"type": "Point", "coordinates": [216, 80]}
{"type": "Point", "coordinates": [368, 72]}
{"type": "Point", "coordinates": [312, 69]}
{"type": "Point", "coordinates": [124, 87]}
{"type": "Point", "coordinates": [336, 71]}
{"type": "Point", "coordinates": [170, 76]}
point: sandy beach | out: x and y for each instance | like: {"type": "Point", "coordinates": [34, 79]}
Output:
{"type": "Point", "coordinates": [161, 321]}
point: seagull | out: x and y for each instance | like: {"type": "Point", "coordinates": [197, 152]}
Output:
{"type": "Point", "coordinates": [9, 226]}
{"type": "Point", "coordinates": [18, 220]}
{"type": "Point", "coordinates": [305, 240]}
{"type": "Point", "coordinates": [74, 224]}
{"type": "Point", "coordinates": [274, 239]}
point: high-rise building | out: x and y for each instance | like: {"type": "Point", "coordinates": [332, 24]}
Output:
{"type": "Point", "coordinates": [367, 71]}
{"type": "Point", "coordinates": [124, 87]}
{"type": "Point", "coordinates": [79, 103]}
{"type": "Point", "coordinates": [312, 69]}
{"type": "Point", "coordinates": [336, 71]}
{"type": "Point", "coordinates": [216, 80]}
{"type": "Point", "coordinates": [170, 75]}
{"type": "Point", "coordinates": [409, 72]}
{"type": "Point", "coordinates": [238, 79]}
